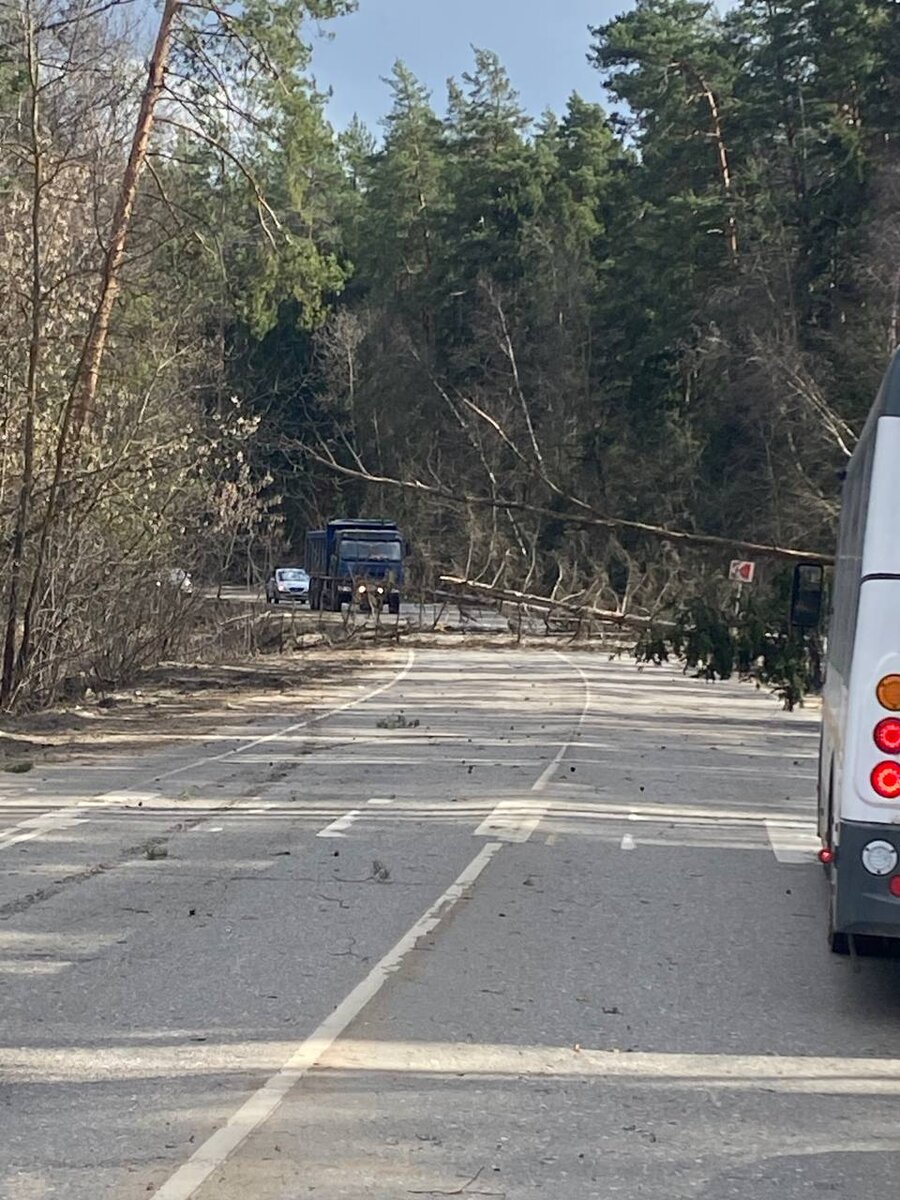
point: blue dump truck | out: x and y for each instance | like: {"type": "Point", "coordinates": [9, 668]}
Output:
{"type": "Point", "coordinates": [355, 561]}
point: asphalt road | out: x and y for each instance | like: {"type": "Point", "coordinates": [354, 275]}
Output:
{"type": "Point", "coordinates": [492, 924]}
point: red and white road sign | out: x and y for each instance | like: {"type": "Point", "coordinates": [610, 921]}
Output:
{"type": "Point", "coordinates": [741, 572]}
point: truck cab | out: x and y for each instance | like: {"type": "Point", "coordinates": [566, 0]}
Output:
{"type": "Point", "coordinates": [356, 562]}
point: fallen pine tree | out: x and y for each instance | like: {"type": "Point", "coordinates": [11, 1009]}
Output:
{"type": "Point", "coordinates": [754, 643]}
{"type": "Point", "coordinates": [550, 605]}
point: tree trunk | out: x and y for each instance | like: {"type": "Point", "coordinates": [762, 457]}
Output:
{"type": "Point", "coordinates": [524, 600]}
{"type": "Point", "coordinates": [87, 375]}
{"type": "Point", "coordinates": [83, 392]}
{"type": "Point", "coordinates": [724, 165]}
{"type": "Point", "coordinates": [26, 486]}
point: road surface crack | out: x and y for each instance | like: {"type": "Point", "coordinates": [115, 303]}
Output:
{"type": "Point", "coordinates": [462, 1190]}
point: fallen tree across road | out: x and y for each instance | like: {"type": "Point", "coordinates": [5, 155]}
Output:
{"type": "Point", "coordinates": [583, 612]}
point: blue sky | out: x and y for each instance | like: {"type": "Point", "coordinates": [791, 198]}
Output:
{"type": "Point", "coordinates": [542, 43]}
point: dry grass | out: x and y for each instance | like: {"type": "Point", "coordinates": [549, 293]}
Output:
{"type": "Point", "coordinates": [177, 702]}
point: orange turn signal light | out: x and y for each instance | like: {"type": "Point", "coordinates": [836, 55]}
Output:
{"type": "Point", "coordinates": [888, 692]}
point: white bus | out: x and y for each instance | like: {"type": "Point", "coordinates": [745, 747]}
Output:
{"type": "Point", "coordinates": [859, 761]}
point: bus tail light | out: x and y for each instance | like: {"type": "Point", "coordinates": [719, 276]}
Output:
{"type": "Point", "coordinates": [887, 735]}
{"type": "Point", "coordinates": [886, 780]}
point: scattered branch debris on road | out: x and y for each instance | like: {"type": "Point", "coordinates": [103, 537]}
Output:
{"type": "Point", "coordinates": [463, 1190]}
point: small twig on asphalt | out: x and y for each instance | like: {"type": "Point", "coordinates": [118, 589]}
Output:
{"type": "Point", "coordinates": [380, 874]}
{"type": "Point", "coordinates": [462, 1190]}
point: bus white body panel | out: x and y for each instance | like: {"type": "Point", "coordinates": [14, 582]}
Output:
{"type": "Point", "coordinates": [877, 653]}
{"type": "Point", "coordinates": [881, 545]}
{"type": "Point", "coordinates": [863, 647]}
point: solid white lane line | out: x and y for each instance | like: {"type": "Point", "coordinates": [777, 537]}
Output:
{"type": "Point", "coordinates": [262, 1104]}
{"type": "Point", "coordinates": [419, 1061]}
{"type": "Point", "coordinates": [546, 775]}
{"type": "Point", "coordinates": [516, 820]}
{"type": "Point", "coordinates": [628, 842]}
{"type": "Point", "coordinates": [660, 813]}
{"type": "Point", "coordinates": [66, 817]}
{"type": "Point", "coordinates": [793, 844]}
{"type": "Point", "coordinates": [273, 737]}
{"type": "Point", "coordinates": [128, 798]}
{"type": "Point", "coordinates": [545, 778]}
{"type": "Point", "coordinates": [342, 761]}
{"type": "Point", "coordinates": [336, 828]}
{"type": "Point", "coordinates": [379, 803]}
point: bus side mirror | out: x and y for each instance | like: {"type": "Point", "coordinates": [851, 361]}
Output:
{"type": "Point", "coordinates": [807, 594]}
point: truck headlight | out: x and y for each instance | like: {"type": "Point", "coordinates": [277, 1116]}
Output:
{"type": "Point", "coordinates": [362, 589]}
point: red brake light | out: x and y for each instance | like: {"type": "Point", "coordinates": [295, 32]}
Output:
{"type": "Point", "coordinates": [887, 735]}
{"type": "Point", "coordinates": [894, 886]}
{"type": "Point", "coordinates": [886, 780]}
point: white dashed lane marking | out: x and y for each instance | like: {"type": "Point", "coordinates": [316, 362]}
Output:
{"type": "Point", "coordinates": [338, 828]}
{"type": "Point", "coordinates": [793, 842]}
{"type": "Point", "coordinates": [34, 827]}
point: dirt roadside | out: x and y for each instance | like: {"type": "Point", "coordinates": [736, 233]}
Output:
{"type": "Point", "coordinates": [180, 702]}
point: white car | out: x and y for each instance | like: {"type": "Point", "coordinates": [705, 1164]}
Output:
{"type": "Point", "coordinates": [177, 579]}
{"type": "Point", "coordinates": [289, 584]}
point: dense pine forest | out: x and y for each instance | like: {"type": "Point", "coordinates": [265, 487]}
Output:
{"type": "Point", "coordinates": [548, 346]}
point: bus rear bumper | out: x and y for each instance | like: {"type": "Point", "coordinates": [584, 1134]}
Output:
{"type": "Point", "coordinates": [864, 903]}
